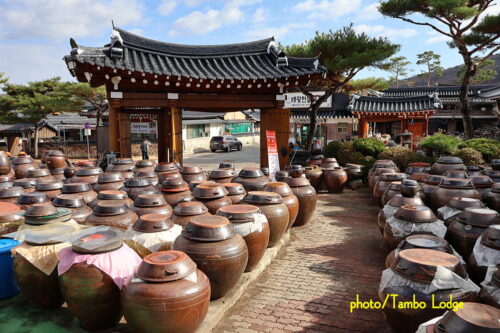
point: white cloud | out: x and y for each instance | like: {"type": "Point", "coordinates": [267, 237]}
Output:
{"type": "Point", "coordinates": [326, 9]}
{"type": "Point", "coordinates": [193, 3]}
{"type": "Point", "coordinates": [167, 7]}
{"type": "Point", "coordinates": [277, 32]}
{"type": "Point", "coordinates": [382, 31]}
{"type": "Point", "coordinates": [260, 15]}
{"type": "Point", "coordinates": [203, 22]}
{"type": "Point", "coordinates": [369, 12]}
{"type": "Point", "coordinates": [60, 19]}
{"type": "Point", "coordinates": [436, 37]}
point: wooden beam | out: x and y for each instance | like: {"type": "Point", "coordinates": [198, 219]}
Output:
{"type": "Point", "coordinates": [275, 120]}
{"type": "Point", "coordinates": [125, 140]}
{"type": "Point", "coordinates": [170, 135]}
{"type": "Point", "coordinates": [114, 131]}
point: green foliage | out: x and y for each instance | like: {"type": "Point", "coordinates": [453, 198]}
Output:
{"type": "Point", "coordinates": [332, 148]}
{"type": "Point", "coordinates": [440, 144]}
{"type": "Point", "coordinates": [402, 156]}
{"type": "Point", "coordinates": [368, 146]}
{"type": "Point", "coordinates": [376, 83]}
{"type": "Point", "coordinates": [489, 148]}
{"type": "Point", "coordinates": [96, 97]}
{"type": "Point", "coordinates": [432, 62]}
{"type": "Point", "coordinates": [485, 71]}
{"type": "Point", "coordinates": [470, 156]}
{"type": "Point", "coordinates": [398, 67]}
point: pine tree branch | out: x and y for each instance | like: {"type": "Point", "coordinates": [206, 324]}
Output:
{"type": "Point", "coordinates": [425, 24]}
{"type": "Point", "coordinates": [482, 45]}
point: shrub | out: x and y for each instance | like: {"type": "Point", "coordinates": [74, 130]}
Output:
{"type": "Point", "coordinates": [489, 148]}
{"type": "Point", "coordinates": [470, 156]}
{"type": "Point", "coordinates": [440, 144]}
{"type": "Point", "coordinates": [402, 156]}
{"type": "Point", "coordinates": [332, 149]}
{"type": "Point", "coordinates": [368, 146]}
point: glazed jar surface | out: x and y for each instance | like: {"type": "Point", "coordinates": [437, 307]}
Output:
{"type": "Point", "coordinates": [446, 163]}
{"type": "Point", "coordinates": [450, 188]}
{"type": "Point", "coordinates": [252, 179]}
{"type": "Point", "coordinates": [306, 194]}
{"type": "Point", "coordinates": [334, 179]}
{"type": "Point", "coordinates": [289, 199]}
{"type": "Point", "coordinates": [315, 176]}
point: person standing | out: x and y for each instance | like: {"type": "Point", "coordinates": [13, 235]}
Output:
{"type": "Point", "coordinates": [145, 149]}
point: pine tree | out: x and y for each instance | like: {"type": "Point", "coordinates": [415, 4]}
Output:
{"type": "Point", "coordinates": [432, 62]}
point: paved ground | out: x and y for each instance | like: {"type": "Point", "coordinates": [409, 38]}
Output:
{"type": "Point", "coordinates": [248, 156]}
{"type": "Point", "coordinates": [328, 262]}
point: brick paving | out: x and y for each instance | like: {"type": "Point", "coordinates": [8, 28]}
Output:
{"type": "Point", "coordinates": [308, 288]}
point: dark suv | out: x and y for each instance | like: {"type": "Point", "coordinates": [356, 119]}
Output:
{"type": "Point", "coordinates": [225, 142]}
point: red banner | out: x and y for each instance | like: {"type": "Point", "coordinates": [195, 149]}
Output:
{"type": "Point", "coordinates": [272, 153]}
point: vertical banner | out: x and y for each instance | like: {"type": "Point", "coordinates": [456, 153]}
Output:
{"type": "Point", "coordinates": [272, 153]}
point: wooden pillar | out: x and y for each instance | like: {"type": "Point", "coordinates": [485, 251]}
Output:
{"type": "Point", "coordinates": [170, 135]}
{"type": "Point", "coordinates": [363, 128]}
{"type": "Point", "coordinates": [426, 130]}
{"type": "Point", "coordinates": [113, 125]}
{"type": "Point", "coordinates": [124, 130]}
{"type": "Point", "coordinates": [275, 120]}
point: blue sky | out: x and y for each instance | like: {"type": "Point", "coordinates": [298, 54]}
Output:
{"type": "Point", "coordinates": [34, 34]}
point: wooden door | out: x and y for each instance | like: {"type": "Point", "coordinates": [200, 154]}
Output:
{"type": "Point", "coordinates": [418, 130]}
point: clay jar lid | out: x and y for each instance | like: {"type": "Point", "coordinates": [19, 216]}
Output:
{"type": "Point", "coordinates": [190, 208]}
{"type": "Point", "coordinates": [110, 177]}
{"type": "Point", "coordinates": [150, 223]}
{"type": "Point", "coordinates": [112, 195]}
{"type": "Point", "coordinates": [190, 169]}
{"type": "Point", "coordinates": [462, 203]}
{"type": "Point", "coordinates": [390, 177]}
{"type": "Point", "coordinates": [421, 264]}
{"type": "Point", "coordinates": [222, 173]}
{"type": "Point", "coordinates": [68, 201]}
{"type": "Point", "coordinates": [145, 174]}
{"type": "Point", "coordinates": [234, 188]}
{"type": "Point", "coordinates": [48, 186]}
{"type": "Point", "coordinates": [165, 266]}
{"type": "Point", "coordinates": [144, 164]}
{"type": "Point", "coordinates": [480, 217]}
{"type": "Point", "coordinates": [209, 191]}
{"type": "Point", "coordinates": [137, 182]}
{"type": "Point", "coordinates": [174, 185]}
{"type": "Point", "coordinates": [56, 153]}
{"type": "Point", "coordinates": [379, 171]}
{"type": "Point", "coordinates": [25, 182]}
{"type": "Point", "coordinates": [449, 160]}
{"type": "Point", "coordinates": [76, 187]}
{"type": "Point", "coordinates": [492, 173]}
{"type": "Point", "coordinates": [32, 198]}
{"type": "Point", "coordinates": [424, 241]}
{"type": "Point", "coordinates": [42, 209]}
{"type": "Point", "coordinates": [211, 228]}
{"type": "Point", "coordinates": [251, 173]}
{"type": "Point", "coordinates": [456, 174]}
{"type": "Point", "coordinates": [297, 182]}
{"type": "Point", "coordinates": [195, 183]}
{"type": "Point", "coordinates": [420, 176]}
{"type": "Point", "coordinates": [239, 213]}
{"type": "Point", "coordinates": [278, 187]}
{"type": "Point", "coordinates": [99, 242]}
{"type": "Point", "coordinates": [263, 197]}
{"type": "Point", "coordinates": [456, 183]}
{"type": "Point", "coordinates": [22, 160]}
{"type": "Point", "coordinates": [434, 179]}
{"type": "Point", "coordinates": [37, 173]}
{"type": "Point", "coordinates": [491, 237]}
{"type": "Point", "coordinates": [495, 188]}
{"type": "Point", "coordinates": [473, 317]}
{"type": "Point", "coordinates": [415, 214]}
{"type": "Point", "coordinates": [110, 208]}
{"type": "Point", "coordinates": [265, 171]}
{"type": "Point", "coordinates": [395, 186]}
{"type": "Point", "coordinates": [165, 166]}
{"type": "Point", "coordinates": [481, 181]}
{"type": "Point", "coordinates": [398, 200]}
{"type": "Point", "coordinates": [58, 171]}
{"type": "Point", "coordinates": [122, 161]}
{"type": "Point", "coordinates": [88, 171]}
{"type": "Point", "coordinates": [150, 200]}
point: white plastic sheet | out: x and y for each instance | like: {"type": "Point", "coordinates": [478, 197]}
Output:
{"type": "Point", "coordinates": [422, 328]}
{"type": "Point", "coordinates": [485, 256]}
{"type": "Point", "coordinates": [247, 228]}
{"type": "Point", "coordinates": [490, 286]}
{"type": "Point", "coordinates": [448, 212]}
{"type": "Point", "coordinates": [402, 228]}
{"type": "Point", "coordinates": [389, 210]}
{"type": "Point", "coordinates": [443, 279]}
{"type": "Point", "coordinates": [153, 241]}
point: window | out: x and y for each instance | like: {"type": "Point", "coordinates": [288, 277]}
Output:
{"type": "Point", "coordinates": [342, 127]}
{"type": "Point", "coordinates": [195, 131]}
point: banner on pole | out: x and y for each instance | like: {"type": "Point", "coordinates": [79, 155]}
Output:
{"type": "Point", "coordinates": [272, 153]}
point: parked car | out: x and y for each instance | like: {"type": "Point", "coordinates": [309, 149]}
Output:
{"type": "Point", "coordinates": [225, 142]}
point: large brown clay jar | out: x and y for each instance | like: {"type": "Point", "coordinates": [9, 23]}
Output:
{"type": "Point", "coordinates": [112, 213]}
{"type": "Point", "coordinates": [271, 204]}
{"type": "Point", "coordinates": [82, 189]}
{"type": "Point", "coordinates": [383, 183]}
{"type": "Point", "coordinates": [446, 163]}
{"type": "Point", "coordinates": [334, 179]}
{"type": "Point", "coordinates": [5, 165]}
{"type": "Point", "coordinates": [306, 194]}
{"type": "Point", "coordinates": [396, 202]}
{"type": "Point", "coordinates": [482, 184]}
{"type": "Point", "coordinates": [213, 196]}
{"type": "Point", "coordinates": [151, 204]}
{"type": "Point", "coordinates": [315, 176]}
{"type": "Point", "coordinates": [393, 189]}
{"type": "Point", "coordinates": [169, 295]}
{"type": "Point", "coordinates": [252, 179]}
{"type": "Point", "coordinates": [490, 239]}
{"type": "Point", "coordinates": [192, 172]}
{"type": "Point", "coordinates": [235, 192]}
{"type": "Point", "coordinates": [222, 175]}
{"type": "Point", "coordinates": [135, 186]}
{"type": "Point", "coordinates": [50, 188]}
{"type": "Point", "coordinates": [217, 249]}
{"type": "Point", "coordinates": [115, 195]}
{"type": "Point", "coordinates": [252, 225]}
{"type": "Point", "coordinates": [430, 185]}
{"type": "Point", "coordinates": [456, 206]}
{"type": "Point", "coordinates": [450, 188]}
{"type": "Point", "coordinates": [185, 211]}
{"type": "Point", "coordinates": [88, 175]}
{"type": "Point", "coordinates": [375, 174]}
{"type": "Point", "coordinates": [56, 160]}
{"type": "Point", "coordinates": [176, 191]}
{"type": "Point", "coordinates": [22, 164]}
{"type": "Point", "coordinates": [329, 163]}
{"type": "Point", "coordinates": [109, 181]}
{"type": "Point", "coordinates": [79, 210]}
{"type": "Point", "coordinates": [492, 199]}
{"type": "Point", "coordinates": [289, 199]}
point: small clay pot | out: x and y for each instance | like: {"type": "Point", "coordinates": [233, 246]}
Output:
{"type": "Point", "coordinates": [192, 172]}
{"type": "Point", "coordinates": [135, 186]}
{"type": "Point", "coordinates": [109, 181]}
{"type": "Point", "coordinates": [252, 179]}
{"type": "Point", "coordinates": [82, 189]}
{"type": "Point", "coordinates": [151, 204]}
{"type": "Point", "coordinates": [50, 188]}
{"type": "Point", "coordinates": [112, 213]}
{"type": "Point", "coordinates": [176, 191]}
{"type": "Point", "coordinates": [235, 192]}
{"type": "Point", "coordinates": [75, 203]}
{"type": "Point", "coordinates": [222, 175]}
{"type": "Point", "coordinates": [185, 211]}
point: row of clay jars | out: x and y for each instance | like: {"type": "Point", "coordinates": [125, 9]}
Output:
{"type": "Point", "coordinates": [450, 188]}
{"type": "Point", "coordinates": [217, 249]}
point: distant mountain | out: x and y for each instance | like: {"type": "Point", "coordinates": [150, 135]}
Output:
{"type": "Point", "coordinates": [449, 77]}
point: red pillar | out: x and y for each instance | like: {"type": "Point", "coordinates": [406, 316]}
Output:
{"type": "Point", "coordinates": [363, 128]}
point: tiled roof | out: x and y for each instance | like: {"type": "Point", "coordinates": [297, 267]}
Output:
{"type": "Point", "coordinates": [443, 91]}
{"type": "Point", "coordinates": [321, 114]}
{"type": "Point", "coordinates": [394, 104]}
{"type": "Point", "coordinates": [245, 61]}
